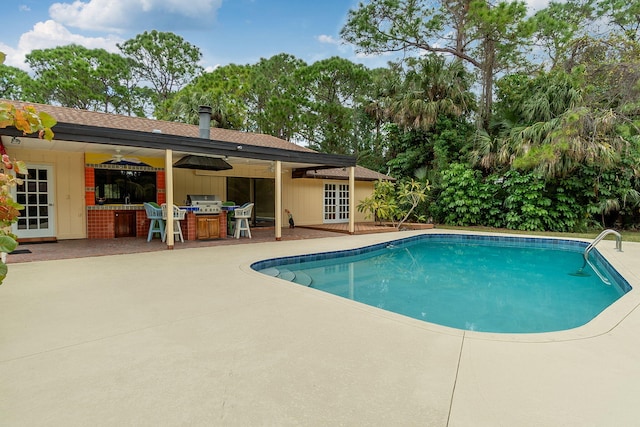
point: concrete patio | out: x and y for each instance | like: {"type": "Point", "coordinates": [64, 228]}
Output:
{"type": "Point", "coordinates": [195, 337]}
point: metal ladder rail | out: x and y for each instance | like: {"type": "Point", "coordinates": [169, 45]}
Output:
{"type": "Point", "coordinates": [600, 275]}
{"type": "Point", "coordinates": [593, 244]}
{"type": "Point", "coordinates": [599, 238]}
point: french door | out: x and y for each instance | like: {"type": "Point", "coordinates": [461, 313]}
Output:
{"type": "Point", "coordinates": [336, 203]}
{"type": "Point", "coordinates": [37, 219]}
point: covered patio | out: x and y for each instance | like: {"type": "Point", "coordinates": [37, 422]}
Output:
{"type": "Point", "coordinates": [90, 149]}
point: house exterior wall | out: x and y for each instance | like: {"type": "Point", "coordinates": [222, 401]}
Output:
{"type": "Point", "coordinates": [69, 188]}
{"type": "Point", "coordinates": [364, 189]}
{"type": "Point", "coordinates": [74, 186]}
{"type": "Point", "coordinates": [304, 198]}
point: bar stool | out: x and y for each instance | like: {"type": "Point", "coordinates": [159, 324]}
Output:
{"type": "Point", "coordinates": [156, 224]}
{"type": "Point", "coordinates": [178, 215]}
{"type": "Point", "coordinates": [243, 215]}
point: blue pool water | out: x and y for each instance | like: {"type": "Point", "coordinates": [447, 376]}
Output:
{"type": "Point", "coordinates": [481, 283]}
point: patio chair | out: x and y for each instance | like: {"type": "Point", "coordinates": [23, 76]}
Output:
{"type": "Point", "coordinates": [243, 215]}
{"type": "Point", "coordinates": [156, 224]}
{"type": "Point", "coordinates": [178, 215]}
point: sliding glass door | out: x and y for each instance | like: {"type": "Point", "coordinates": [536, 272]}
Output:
{"type": "Point", "coordinates": [260, 191]}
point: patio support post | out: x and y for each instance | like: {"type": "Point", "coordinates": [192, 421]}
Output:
{"type": "Point", "coordinates": [352, 200]}
{"type": "Point", "coordinates": [278, 214]}
{"type": "Point", "coordinates": [168, 173]}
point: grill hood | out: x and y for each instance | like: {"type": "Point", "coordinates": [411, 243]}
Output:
{"type": "Point", "coordinates": [202, 163]}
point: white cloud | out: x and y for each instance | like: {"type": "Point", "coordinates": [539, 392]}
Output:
{"type": "Point", "coordinates": [126, 15]}
{"type": "Point", "coordinates": [323, 38]}
{"type": "Point", "coordinates": [50, 34]}
{"type": "Point", "coordinates": [24, 8]}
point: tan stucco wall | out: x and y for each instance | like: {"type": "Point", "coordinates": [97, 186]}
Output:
{"type": "Point", "coordinates": [68, 170]}
{"type": "Point", "coordinates": [303, 197]}
{"type": "Point", "coordinates": [363, 189]}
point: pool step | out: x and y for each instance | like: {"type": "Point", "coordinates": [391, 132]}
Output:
{"type": "Point", "coordinates": [300, 277]}
{"type": "Point", "coordinates": [271, 271]}
{"type": "Point", "coordinates": [303, 279]}
{"type": "Point", "coordinates": [287, 275]}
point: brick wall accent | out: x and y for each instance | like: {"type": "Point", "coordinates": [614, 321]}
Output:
{"type": "Point", "coordinates": [223, 224]}
{"type": "Point", "coordinates": [90, 186]}
{"type": "Point", "coordinates": [161, 194]}
{"type": "Point", "coordinates": [142, 224]}
{"type": "Point", "coordinates": [100, 224]}
{"type": "Point", "coordinates": [189, 226]}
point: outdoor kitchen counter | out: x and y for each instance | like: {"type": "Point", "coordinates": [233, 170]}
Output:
{"type": "Point", "coordinates": [117, 220]}
{"type": "Point", "coordinates": [113, 221]}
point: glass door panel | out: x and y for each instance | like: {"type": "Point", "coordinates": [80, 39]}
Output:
{"type": "Point", "coordinates": [36, 195]}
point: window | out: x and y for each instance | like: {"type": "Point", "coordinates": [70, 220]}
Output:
{"type": "Point", "coordinates": [121, 186]}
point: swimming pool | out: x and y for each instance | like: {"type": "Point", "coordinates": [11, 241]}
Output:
{"type": "Point", "coordinates": [481, 283]}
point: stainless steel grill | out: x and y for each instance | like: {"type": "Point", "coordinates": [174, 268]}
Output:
{"type": "Point", "coordinates": [206, 203]}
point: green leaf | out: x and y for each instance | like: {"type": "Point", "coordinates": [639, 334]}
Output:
{"type": "Point", "coordinates": [7, 244]}
{"type": "Point", "coordinates": [3, 271]}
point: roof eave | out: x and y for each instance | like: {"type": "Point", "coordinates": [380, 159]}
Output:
{"type": "Point", "coordinates": [151, 140]}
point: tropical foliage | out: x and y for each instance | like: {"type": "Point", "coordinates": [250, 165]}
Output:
{"type": "Point", "coordinates": [395, 202]}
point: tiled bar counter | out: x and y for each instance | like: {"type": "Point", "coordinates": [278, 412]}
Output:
{"type": "Point", "coordinates": [112, 221]}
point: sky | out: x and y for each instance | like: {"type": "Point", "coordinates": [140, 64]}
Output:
{"type": "Point", "coordinates": [225, 31]}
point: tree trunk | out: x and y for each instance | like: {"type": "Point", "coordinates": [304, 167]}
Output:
{"type": "Point", "coordinates": [488, 66]}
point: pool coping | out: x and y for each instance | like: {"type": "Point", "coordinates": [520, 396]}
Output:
{"type": "Point", "coordinates": [601, 324]}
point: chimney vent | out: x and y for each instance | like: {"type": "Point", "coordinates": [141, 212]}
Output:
{"type": "Point", "coordinates": [205, 120]}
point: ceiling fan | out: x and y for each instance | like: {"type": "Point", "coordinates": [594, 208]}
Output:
{"type": "Point", "coordinates": [117, 157]}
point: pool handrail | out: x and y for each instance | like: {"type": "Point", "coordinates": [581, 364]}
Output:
{"type": "Point", "coordinates": [599, 238]}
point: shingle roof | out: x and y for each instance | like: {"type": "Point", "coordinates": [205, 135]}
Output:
{"type": "Point", "coordinates": [115, 121]}
{"type": "Point", "coordinates": [129, 123]}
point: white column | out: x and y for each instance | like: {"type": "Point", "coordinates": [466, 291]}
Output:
{"type": "Point", "coordinates": [352, 200]}
{"type": "Point", "coordinates": [168, 185]}
{"type": "Point", "coordinates": [278, 210]}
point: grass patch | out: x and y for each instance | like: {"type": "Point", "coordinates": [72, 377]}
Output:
{"type": "Point", "coordinates": [627, 236]}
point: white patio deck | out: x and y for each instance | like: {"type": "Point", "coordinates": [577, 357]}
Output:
{"type": "Point", "coordinates": [195, 337]}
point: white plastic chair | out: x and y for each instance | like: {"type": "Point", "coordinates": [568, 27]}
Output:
{"type": "Point", "coordinates": [178, 214]}
{"type": "Point", "coordinates": [243, 216]}
{"type": "Point", "coordinates": [157, 222]}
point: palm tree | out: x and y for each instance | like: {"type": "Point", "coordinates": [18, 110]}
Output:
{"type": "Point", "coordinates": [184, 107]}
{"type": "Point", "coordinates": [432, 87]}
{"type": "Point", "coordinates": [551, 131]}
